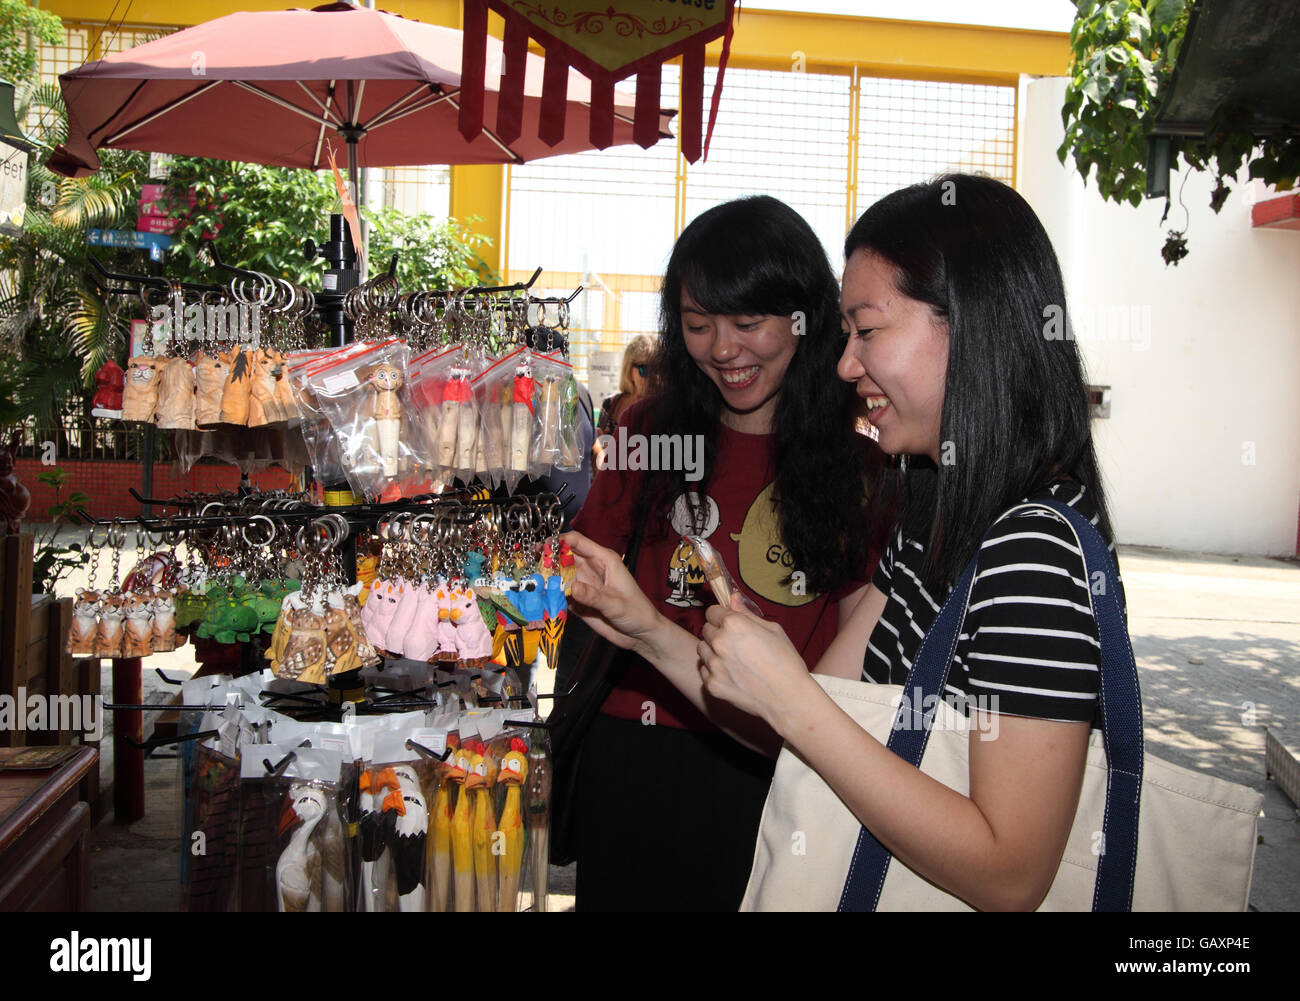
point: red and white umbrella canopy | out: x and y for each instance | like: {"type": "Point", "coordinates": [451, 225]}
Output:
{"type": "Point", "coordinates": [276, 87]}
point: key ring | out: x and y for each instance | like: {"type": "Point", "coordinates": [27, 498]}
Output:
{"type": "Point", "coordinates": [255, 520]}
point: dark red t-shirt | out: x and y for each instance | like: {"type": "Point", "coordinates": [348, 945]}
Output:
{"type": "Point", "coordinates": [738, 519]}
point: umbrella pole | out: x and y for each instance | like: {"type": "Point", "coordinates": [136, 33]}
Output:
{"type": "Point", "coordinates": [352, 137]}
{"type": "Point", "coordinates": [340, 275]}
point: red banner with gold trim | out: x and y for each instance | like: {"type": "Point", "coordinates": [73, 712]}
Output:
{"type": "Point", "coordinates": [607, 41]}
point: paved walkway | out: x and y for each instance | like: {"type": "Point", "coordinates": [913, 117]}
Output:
{"type": "Point", "coordinates": [1217, 640]}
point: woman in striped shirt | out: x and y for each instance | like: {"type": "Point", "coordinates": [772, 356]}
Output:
{"type": "Point", "coordinates": [958, 343]}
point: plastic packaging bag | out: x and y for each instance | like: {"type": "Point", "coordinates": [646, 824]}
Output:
{"type": "Point", "coordinates": [491, 451]}
{"type": "Point", "coordinates": [210, 807]}
{"type": "Point", "coordinates": [446, 380]}
{"type": "Point", "coordinates": [429, 375]}
{"type": "Point", "coordinates": [292, 854]}
{"type": "Point", "coordinates": [510, 837]}
{"type": "Point", "coordinates": [522, 422]}
{"type": "Point", "coordinates": [556, 408]}
{"type": "Point", "coordinates": [366, 400]}
{"type": "Point", "coordinates": [322, 447]}
{"type": "Point", "coordinates": [394, 824]}
{"type": "Point", "coordinates": [505, 393]}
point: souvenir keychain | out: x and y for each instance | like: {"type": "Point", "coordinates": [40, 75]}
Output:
{"type": "Point", "coordinates": [381, 799]}
{"type": "Point", "coordinates": [263, 406]}
{"type": "Point", "coordinates": [110, 386]}
{"type": "Point", "coordinates": [210, 373]}
{"type": "Point", "coordinates": [455, 394]}
{"type": "Point", "coordinates": [236, 394]}
{"type": "Point", "coordinates": [407, 847]}
{"type": "Point", "coordinates": [83, 635]}
{"type": "Point", "coordinates": [521, 418]}
{"type": "Point", "coordinates": [109, 632]}
{"type": "Point", "coordinates": [466, 462]}
{"type": "Point", "coordinates": [176, 400]}
{"type": "Point", "coordinates": [140, 397]}
{"type": "Point", "coordinates": [385, 409]}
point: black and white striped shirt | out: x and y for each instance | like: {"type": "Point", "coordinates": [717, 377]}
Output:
{"type": "Point", "coordinates": [1028, 645]}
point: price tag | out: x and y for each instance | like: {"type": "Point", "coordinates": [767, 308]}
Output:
{"type": "Point", "coordinates": [434, 740]}
{"type": "Point", "coordinates": [340, 381]}
{"type": "Point", "coordinates": [489, 725]}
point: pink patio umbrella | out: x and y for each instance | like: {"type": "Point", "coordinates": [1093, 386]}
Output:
{"type": "Point", "coordinates": [273, 87]}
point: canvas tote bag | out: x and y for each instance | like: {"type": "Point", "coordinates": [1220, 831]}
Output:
{"type": "Point", "coordinates": [1147, 836]}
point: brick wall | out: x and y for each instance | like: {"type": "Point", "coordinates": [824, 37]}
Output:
{"type": "Point", "coordinates": [106, 483]}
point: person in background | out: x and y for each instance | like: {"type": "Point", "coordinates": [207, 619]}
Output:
{"type": "Point", "coordinates": [632, 382]}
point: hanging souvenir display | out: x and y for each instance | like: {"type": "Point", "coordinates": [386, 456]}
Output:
{"type": "Point", "coordinates": [131, 617]}
{"type": "Point", "coordinates": [442, 808]}
{"type": "Point", "coordinates": [458, 595]}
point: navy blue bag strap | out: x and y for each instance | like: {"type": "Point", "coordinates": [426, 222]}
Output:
{"type": "Point", "coordinates": [1121, 715]}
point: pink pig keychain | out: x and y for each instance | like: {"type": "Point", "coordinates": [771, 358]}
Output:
{"type": "Point", "coordinates": [421, 640]}
{"type": "Point", "coordinates": [385, 599]}
{"type": "Point", "coordinates": [403, 618]}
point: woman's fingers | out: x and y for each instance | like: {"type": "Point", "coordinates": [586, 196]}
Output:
{"type": "Point", "coordinates": [589, 572]}
{"type": "Point", "coordinates": [583, 546]}
{"type": "Point", "coordinates": [585, 594]}
{"type": "Point", "coordinates": [710, 663]}
{"type": "Point", "coordinates": [716, 614]}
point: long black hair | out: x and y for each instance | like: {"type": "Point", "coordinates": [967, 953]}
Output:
{"type": "Point", "coordinates": [1015, 410]}
{"type": "Point", "coordinates": [757, 256]}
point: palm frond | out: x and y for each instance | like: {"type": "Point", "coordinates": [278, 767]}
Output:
{"type": "Point", "coordinates": [94, 333]}
{"type": "Point", "coordinates": [44, 114]}
{"type": "Point", "coordinates": [47, 380]}
{"type": "Point", "coordinates": [92, 201]}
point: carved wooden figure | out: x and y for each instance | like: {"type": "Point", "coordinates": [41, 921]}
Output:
{"type": "Point", "coordinates": [385, 408]}
{"type": "Point", "coordinates": [176, 395]}
{"type": "Point", "coordinates": [140, 397]}
{"type": "Point", "coordinates": [210, 373]}
{"type": "Point", "coordinates": [237, 393]}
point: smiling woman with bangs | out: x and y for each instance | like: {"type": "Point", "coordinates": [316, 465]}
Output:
{"type": "Point", "coordinates": [668, 805]}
